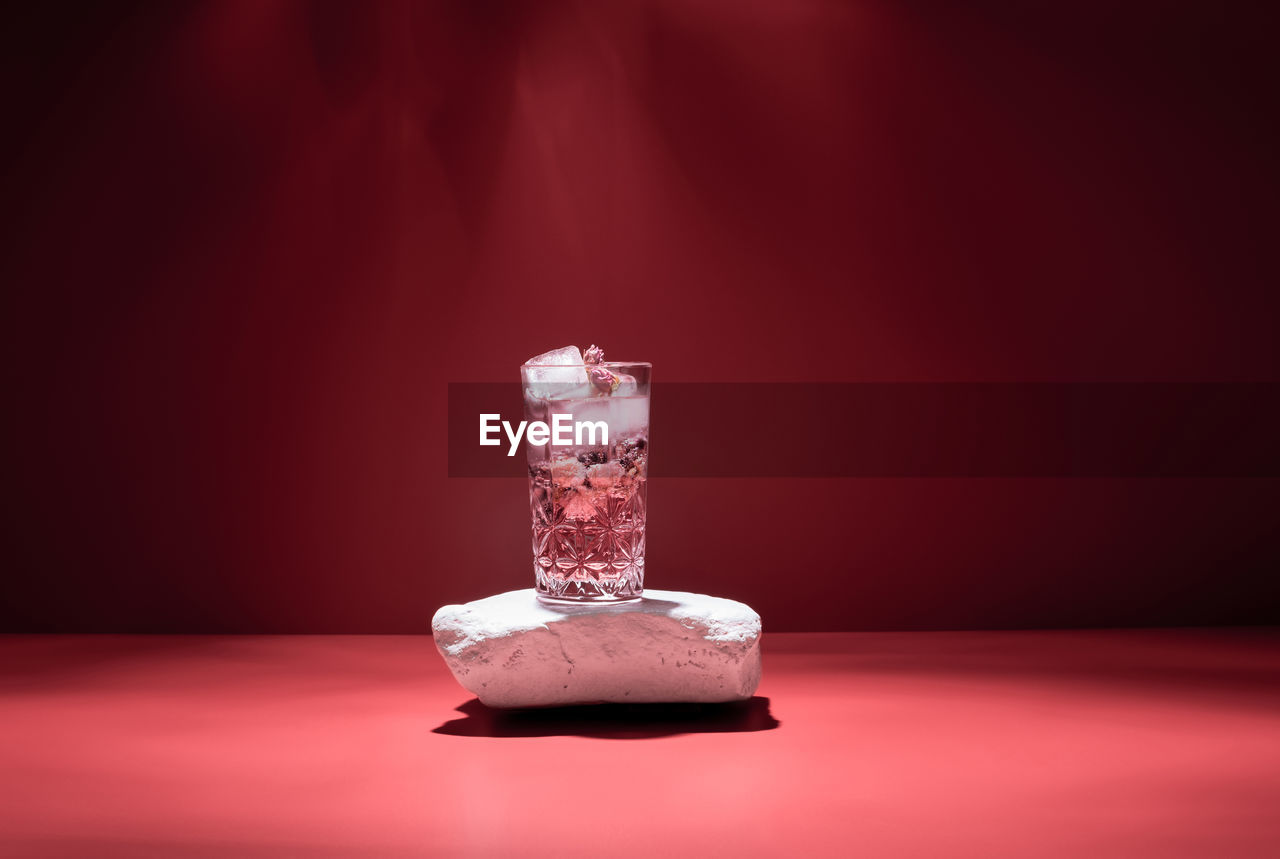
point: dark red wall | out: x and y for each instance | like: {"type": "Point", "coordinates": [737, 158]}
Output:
{"type": "Point", "coordinates": [247, 244]}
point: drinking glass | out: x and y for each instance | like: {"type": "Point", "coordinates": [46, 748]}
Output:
{"type": "Point", "coordinates": [587, 497]}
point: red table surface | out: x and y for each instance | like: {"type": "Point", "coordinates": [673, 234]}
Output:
{"type": "Point", "coordinates": [1163, 743]}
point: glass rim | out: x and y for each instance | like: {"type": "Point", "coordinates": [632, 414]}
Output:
{"type": "Point", "coordinates": [584, 366]}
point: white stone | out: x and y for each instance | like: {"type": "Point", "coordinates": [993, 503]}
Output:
{"type": "Point", "coordinates": [511, 650]}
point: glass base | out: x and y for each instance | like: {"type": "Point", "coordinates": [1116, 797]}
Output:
{"type": "Point", "coordinates": [552, 588]}
{"type": "Point", "coordinates": [592, 600]}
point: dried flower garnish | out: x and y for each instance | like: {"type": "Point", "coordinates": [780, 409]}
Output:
{"type": "Point", "coordinates": [593, 355]}
{"type": "Point", "coordinates": [605, 381]}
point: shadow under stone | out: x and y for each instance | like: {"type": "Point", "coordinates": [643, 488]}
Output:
{"type": "Point", "coordinates": [612, 721]}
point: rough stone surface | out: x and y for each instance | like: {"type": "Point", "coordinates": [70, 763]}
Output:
{"type": "Point", "coordinates": [512, 651]}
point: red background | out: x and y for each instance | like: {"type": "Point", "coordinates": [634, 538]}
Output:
{"type": "Point", "coordinates": [247, 244]}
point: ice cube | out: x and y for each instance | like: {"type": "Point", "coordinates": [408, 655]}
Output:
{"type": "Point", "coordinates": [629, 416]}
{"type": "Point", "coordinates": [564, 356]}
{"type": "Point", "coordinates": [604, 475]}
{"type": "Point", "coordinates": [626, 386]}
{"type": "Point", "coordinates": [557, 373]}
{"type": "Point", "coordinates": [578, 506]}
{"type": "Point", "coordinates": [625, 416]}
{"type": "Point", "coordinates": [566, 471]}
{"type": "Point", "coordinates": [574, 392]}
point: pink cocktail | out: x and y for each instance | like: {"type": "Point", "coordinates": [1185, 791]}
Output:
{"type": "Point", "coordinates": [587, 496]}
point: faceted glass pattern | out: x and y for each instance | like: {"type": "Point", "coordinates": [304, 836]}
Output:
{"type": "Point", "coordinates": [588, 515]}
